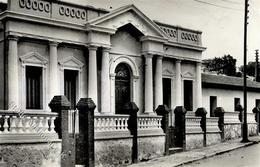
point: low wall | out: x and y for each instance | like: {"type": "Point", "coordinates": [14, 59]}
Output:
{"type": "Point", "coordinates": [31, 154]}
{"type": "Point", "coordinates": [252, 129]}
{"type": "Point", "coordinates": [194, 140]}
{"type": "Point", "coordinates": [116, 150]}
{"type": "Point", "coordinates": [232, 131]}
{"type": "Point", "coordinates": [213, 138]}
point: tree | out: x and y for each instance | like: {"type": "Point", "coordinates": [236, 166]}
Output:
{"type": "Point", "coordinates": [222, 65]}
{"type": "Point", "coordinates": [250, 68]}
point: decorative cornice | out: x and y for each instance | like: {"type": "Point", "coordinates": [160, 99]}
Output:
{"type": "Point", "coordinates": [185, 46]}
{"type": "Point", "coordinates": [32, 36]}
{"type": "Point", "coordinates": [42, 20]}
{"type": "Point", "coordinates": [154, 39]}
{"type": "Point", "coordinates": [96, 28]}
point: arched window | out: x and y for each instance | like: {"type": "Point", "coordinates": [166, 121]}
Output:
{"type": "Point", "coordinates": [122, 87]}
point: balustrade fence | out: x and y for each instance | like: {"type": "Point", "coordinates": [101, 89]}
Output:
{"type": "Point", "coordinates": [27, 122]}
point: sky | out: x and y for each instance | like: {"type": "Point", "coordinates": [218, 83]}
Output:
{"type": "Point", "coordinates": [221, 21]}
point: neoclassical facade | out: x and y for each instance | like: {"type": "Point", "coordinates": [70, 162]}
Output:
{"type": "Point", "coordinates": [56, 48]}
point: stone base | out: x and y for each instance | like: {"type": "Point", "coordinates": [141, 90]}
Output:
{"type": "Point", "coordinates": [150, 147]}
{"type": "Point", "coordinates": [213, 138]}
{"type": "Point", "coordinates": [194, 140]}
{"type": "Point", "coordinates": [33, 155]}
{"type": "Point", "coordinates": [113, 152]}
{"type": "Point", "coordinates": [252, 129]}
{"type": "Point", "coordinates": [232, 131]}
{"type": "Point", "coordinates": [118, 152]}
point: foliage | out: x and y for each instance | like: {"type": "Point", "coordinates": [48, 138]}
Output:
{"type": "Point", "coordinates": [222, 65]}
{"type": "Point", "coordinates": [250, 68]}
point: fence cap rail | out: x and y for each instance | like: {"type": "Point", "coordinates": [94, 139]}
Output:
{"type": "Point", "coordinates": [28, 113]}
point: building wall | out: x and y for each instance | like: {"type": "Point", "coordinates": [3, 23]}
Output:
{"type": "Point", "coordinates": [225, 98]}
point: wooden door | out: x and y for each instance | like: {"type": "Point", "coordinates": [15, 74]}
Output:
{"type": "Point", "coordinates": [122, 87]}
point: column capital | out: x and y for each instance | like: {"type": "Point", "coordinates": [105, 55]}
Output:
{"type": "Point", "coordinates": [148, 55]}
{"type": "Point", "coordinates": [178, 61]}
{"type": "Point", "coordinates": [198, 63]}
{"type": "Point", "coordinates": [106, 49]}
{"type": "Point", "coordinates": [159, 57]}
{"type": "Point", "coordinates": [53, 43]}
{"type": "Point", "coordinates": [13, 37]}
{"type": "Point", "coordinates": [92, 47]}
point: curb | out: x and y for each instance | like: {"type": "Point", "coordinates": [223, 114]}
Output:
{"type": "Point", "coordinates": [216, 153]}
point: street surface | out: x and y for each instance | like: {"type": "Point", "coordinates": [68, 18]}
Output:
{"type": "Point", "coordinates": [243, 157]}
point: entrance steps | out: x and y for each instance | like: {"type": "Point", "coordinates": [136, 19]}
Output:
{"type": "Point", "coordinates": [174, 150]}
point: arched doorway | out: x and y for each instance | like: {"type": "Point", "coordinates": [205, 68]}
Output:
{"type": "Point", "coordinates": [122, 87]}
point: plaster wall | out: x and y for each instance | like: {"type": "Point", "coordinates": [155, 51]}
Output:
{"type": "Point", "coordinates": [176, 52]}
{"type": "Point", "coordinates": [225, 98]}
{"type": "Point", "coordinates": [65, 52]}
{"type": "Point", "coordinates": [124, 43]}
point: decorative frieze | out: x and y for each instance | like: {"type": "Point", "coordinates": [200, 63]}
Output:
{"type": "Point", "coordinates": [181, 35]}
{"type": "Point", "coordinates": [72, 12]}
{"type": "Point", "coordinates": [41, 6]}
{"type": "Point", "coordinates": [189, 36]}
{"type": "Point", "coordinates": [171, 32]}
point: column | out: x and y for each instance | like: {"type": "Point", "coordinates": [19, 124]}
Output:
{"type": "Point", "coordinates": [105, 82]}
{"type": "Point", "coordinates": [148, 108]}
{"type": "Point", "coordinates": [92, 75]}
{"type": "Point", "coordinates": [158, 82]}
{"type": "Point", "coordinates": [13, 73]}
{"type": "Point", "coordinates": [54, 85]}
{"type": "Point", "coordinates": [112, 96]}
{"type": "Point", "coordinates": [178, 82]}
{"type": "Point", "coordinates": [198, 85]}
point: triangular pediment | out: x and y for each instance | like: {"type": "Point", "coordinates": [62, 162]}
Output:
{"type": "Point", "coordinates": [71, 62]}
{"type": "Point", "coordinates": [187, 75]}
{"type": "Point", "coordinates": [33, 58]}
{"type": "Point", "coordinates": [167, 72]}
{"type": "Point", "coordinates": [129, 15]}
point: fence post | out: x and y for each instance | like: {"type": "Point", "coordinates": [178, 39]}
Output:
{"type": "Point", "coordinates": [86, 108]}
{"type": "Point", "coordinates": [132, 109]}
{"type": "Point", "coordinates": [201, 112]}
{"type": "Point", "coordinates": [240, 109]}
{"type": "Point", "coordinates": [61, 105]}
{"type": "Point", "coordinates": [163, 111]}
{"type": "Point", "coordinates": [180, 124]}
{"type": "Point", "coordinates": [219, 112]}
{"type": "Point", "coordinates": [256, 111]}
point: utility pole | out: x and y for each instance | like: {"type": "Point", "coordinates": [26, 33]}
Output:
{"type": "Point", "coordinates": [256, 65]}
{"type": "Point", "coordinates": [245, 127]}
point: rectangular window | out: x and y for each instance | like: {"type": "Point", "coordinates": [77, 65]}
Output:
{"type": "Point", "coordinates": [33, 87]}
{"type": "Point", "coordinates": [236, 103]}
{"type": "Point", "coordinates": [70, 86]}
{"type": "Point", "coordinates": [188, 95]}
{"type": "Point", "coordinates": [167, 92]}
{"type": "Point", "coordinates": [213, 105]}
